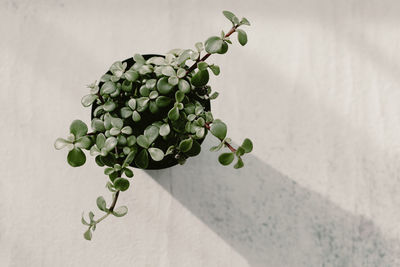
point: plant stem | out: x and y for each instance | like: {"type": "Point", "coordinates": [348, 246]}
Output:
{"type": "Point", "coordinates": [231, 148]}
{"type": "Point", "coordinates": [100, 97]}
{"type": "Point", "coordinates": [103, 217]}
{"type": "Point", "coordinates": [232, 30]}
{"type": "Point", "coordinates": [114, 201]}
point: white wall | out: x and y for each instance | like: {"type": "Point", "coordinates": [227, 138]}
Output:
{"type": "Point", "coordinates": [316, 88]}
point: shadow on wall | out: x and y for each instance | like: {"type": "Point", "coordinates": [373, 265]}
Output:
{"type": "Point", "coordinates": [271, 220]}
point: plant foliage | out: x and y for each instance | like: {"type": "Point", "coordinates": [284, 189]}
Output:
{"type": "Point", "coordinates": [150, 110]}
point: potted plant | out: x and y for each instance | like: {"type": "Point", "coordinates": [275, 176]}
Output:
{"type": "Point", "coordinates": [152, 112]}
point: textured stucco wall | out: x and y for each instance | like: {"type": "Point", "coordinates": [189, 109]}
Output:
{"type": "Point", "coordinates": [317, 88]}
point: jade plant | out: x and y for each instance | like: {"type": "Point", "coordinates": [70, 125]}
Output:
{"type": "Point", "coordinates": [152, 112]}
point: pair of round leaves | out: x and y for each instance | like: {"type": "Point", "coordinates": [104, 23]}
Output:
{"type": "Point", "coordinates": [215, 45]}
{"type": "Point", "coordinates": [76, 157]}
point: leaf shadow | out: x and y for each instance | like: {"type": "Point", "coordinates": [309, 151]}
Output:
{"type": "Point", "coordinates": [273, 221]}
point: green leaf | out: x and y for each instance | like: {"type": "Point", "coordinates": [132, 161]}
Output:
{"type": "Point", "coordinates": [226, 158]}
{"type": "Point", "coordinates": [209, 117]}
{"type": "Point", "coordinates": [131, 75]}
{"type": "Point", "coordinates": [214, 44]}
{"type": "Point", "coordinates": [200, 131]}
{"type": "Point", "coordinates": [190, 108]}
{"type": "Point", "coordinates": [214, 96]}
{"type": "Point", "coordinates": [108, 88]}
{"type": "Point", "coordinates": [142, 159]}
{"type": "Point", "coordinates": [115, 131]}
{"type": "Point", "coordinates": [108, 171]}
{"type": "Point", "coordinates": [107, 121]}
{"type": "Point", "coordinates": [153, 107]}
{"type": "Point", "coordinates": [199, 46]}
{"type": "Point", "coordinates": [131, 140]}
{"type": "Point", "coordinates": [179, 96]}
{"type": "Point", "coordinates": [76, 157]}
{"type": "Point", "coordinates": [128, 173]}
{"type": "Point", "coordinates": [120, 211]}
{"type": "Point", "coordinates": [247, 145]}
{"type": "Point", "coordinates": [156, 153]}
{"type": "Point", "coordinates": [108, 160]}
{"type": "Point", "coordinates": [99, 161]}
{"type": "Point", "coordinates": [173, 114]}
{"type": "Point", "coordinates": [91, 216]}
{"type": "Point", "coordinates": [78, 128]}
{"type": "Point", "coordinates": [125, 112]}
{"type": "Point", "coordinates": [110, 143]}
{"type": "Point", "coordinates": [144, 91]}
{"type": "Point", "coordinates": [117, 68]}
{"type": "Point", "coordinates": [126, 86]}
{"type": "Point", "coordinates": [184, 86]}
{"type": "Point", "coordinates": [110, 187]}
{"type": "Point", "coordinates": [113, 176]}
{"type": "Point", "coordinates": [121, 184]}
{"type": "Point", "coordinates": [163, 101]}
{"type": "Point", "coordinates": [165, 129]}
{"type": "Point", "coordinates": [242, 36]}
{"type": "Point", "coordinates": [136, 116]}
{"type": "Point", "coordinates": [153, 95]}
{"type": "Point", "coordinates": [186, 145]}
{"type": "Point", "coordinates": [202, 65]}
{"type": "Point", "coordinates": [156, 61]}
{"type": "Point", "coordinates": [128, 160]}
{"type": "Point", "coordinates": [224, 48]}
{"type": "Point", "coordinates": [142, 103]}
{"type": "Point", "coordinates": [230, 16]}
{"type": "Point", "coordinates": [132, 103]}
{"type": "Point", "coordinates": [218, 129]}
{"type": "Point", "coordinates": [84, 222]}
{"type": "Point", "coordinates": [200, 78]}
{"type": "Point", "coordinates": [181, 73]}
{"type": "Point", "coordinates": [109, 106]}
{"type": "Point", "coordinates": [151, 132]}
{"type": "Point", "coordinates": [143, 141]}
{"type": "Point", "coordinates": [244, 21]}
{"type": "Point", "coordinates": [240, 151]}
{"type": "Point", "coordinates": [87, 100]}
{"type": "Point", "coordinates": [173, 80]}
{"type": "Point", "coordinates": [168, 71]}
{"type": "Point", "coordinates": [88, 235]}
{"type": "Point", "coordinates": [239, 164]}
{"type": "Point", "coordinates": [139, 58]}
{"type": "Point", "coordinates": [151, 83]}
{"type": "Point", "coordinates": [191, 117]}
{"type": "Point", "coordinates": [100, 140]}
{"type": "Point", "coordinates": [195, 150]}
{"type": "Point", "coordinates": [215, 69]}
{"type": "Point", "coordinates": [98, 125]}
{"type": "Point", "coordinates": [194, 55]}
{"type": "Point", "coordinates": [198, 110]}
{"type": "Point", "coordinates": [61, 143]}
{"type": "Point", "coordinates": [163, 86]}
{"type": "Point", "coordinates": [170, 150]}
{"type": "Point", "coordinates": [83, 142]}
{"type": "Point", "coordinates": [95, 151]}
{"type": "Point", "coordinates": [98, 111]}
{"type": "Point", "coordinates": [101, 203]}
{"type": "Point", "coordinates": [126, 130]}
{"type": "Point", "coordinates": [217, 147]}
{"type": "Point", "coordinates": [121, 140]}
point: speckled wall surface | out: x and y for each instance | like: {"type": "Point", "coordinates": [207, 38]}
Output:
{"type": "Point", "coordinates": [317, 88]}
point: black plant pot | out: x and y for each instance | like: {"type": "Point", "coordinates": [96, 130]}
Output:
{"type": "Point", "coordinates": [139, 127]}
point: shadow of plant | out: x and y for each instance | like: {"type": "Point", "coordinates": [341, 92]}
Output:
{"type": "Point", "coordinates": [271, 220]}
